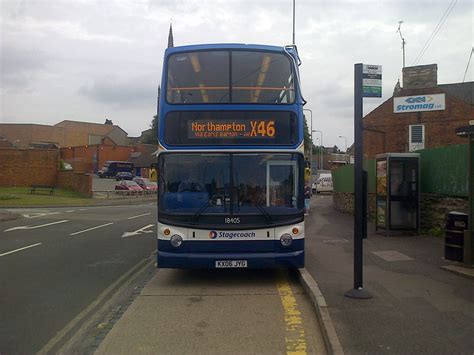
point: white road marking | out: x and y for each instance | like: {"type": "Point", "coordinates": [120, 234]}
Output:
{"type": "Point", "coordinates": [70, 211]}
{"type": "Point", "coordinates": [140, 215]}
{"type": "Point", "coordinates": [34, 227]}
{"type": "Point", "coordinates": [138, 231]}
{"type": "Point", "coordinates": [39, 214]}
{"type": "Point", "coordinates": [392, 255]}
{"type": "Point", "coordinates": [20, 249]}
{"type": "Point", "coordinates": [82, 209]}
{"type": "Point", "coordinates": [90, 229]}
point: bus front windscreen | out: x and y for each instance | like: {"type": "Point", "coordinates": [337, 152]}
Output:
{"type": "Point", "coordinates": [231, 184]}
{"type": "Point", "coordinates": [222, 76]}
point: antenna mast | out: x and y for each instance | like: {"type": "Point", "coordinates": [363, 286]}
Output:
{"type": "Point", "coordinates": [294, 22]}
{"type": "Point", "coordinates": [403, 41]}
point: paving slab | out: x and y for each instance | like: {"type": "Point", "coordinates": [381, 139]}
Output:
{"type": "Point", "coordinates": [212, 312]}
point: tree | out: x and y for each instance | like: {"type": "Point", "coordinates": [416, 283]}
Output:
{"type": "Point", "coordinates": [307, 139]}
{"type": "Point", "coordinates": [151, 136]}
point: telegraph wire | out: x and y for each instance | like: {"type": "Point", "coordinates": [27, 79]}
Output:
{"type": "Point", "coordinates": [467, 66]}
{"type": "Point", "coordinates": [435, 31]}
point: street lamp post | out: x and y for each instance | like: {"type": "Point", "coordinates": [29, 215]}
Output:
{"type": "Point", "coordinates": [318, 144]}
{"type": "Point", "coordinates": [345, 140]}
{"type": "Point", "coordinates": [321, 147]}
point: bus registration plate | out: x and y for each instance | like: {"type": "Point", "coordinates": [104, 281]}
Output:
{"type": "Point", "coordinates": [231, 263]}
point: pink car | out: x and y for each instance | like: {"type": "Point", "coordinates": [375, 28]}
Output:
{"type": "Point", "coordinates": [127, 185]}
{"type": "Point", "coordinates": [146, 184]}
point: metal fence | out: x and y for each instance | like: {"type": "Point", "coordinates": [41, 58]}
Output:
{"type": "Point", "coordinates": [117, 194]}
{"type": "Point", "coordinates": [443, 171]}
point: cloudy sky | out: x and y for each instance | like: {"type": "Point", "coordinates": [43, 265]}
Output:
{"type": "Point", "coordinates": [90, 60]}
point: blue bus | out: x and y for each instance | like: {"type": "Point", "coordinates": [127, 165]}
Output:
{"type": "Point", "coordinates": [231, 158]}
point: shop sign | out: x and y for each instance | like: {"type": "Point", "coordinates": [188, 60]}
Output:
{"type": "Point", "coordinates": [419, 103]}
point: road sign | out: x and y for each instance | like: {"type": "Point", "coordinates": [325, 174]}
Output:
{"type": "Point", "coordinates": [371, 80]}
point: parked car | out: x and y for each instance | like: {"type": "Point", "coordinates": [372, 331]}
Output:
{"type": "Point", "coordinates": [151, 186]}
{"type": "Point", "coordinates": [146, 184]}
{"type": "Point", "coordinates": [128, 185]}
{"type": "Point", "coordinates": [124, 175]}
{"type": "Point", "coordinates": [111, 168]}
{"type": "Point", "coordinates": [324, 183]}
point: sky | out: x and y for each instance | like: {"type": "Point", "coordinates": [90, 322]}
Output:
{"type": "Point", "coordinates": [96, 59]}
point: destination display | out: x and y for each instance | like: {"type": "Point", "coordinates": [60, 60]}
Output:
{"type": "Point", "coordinates": [231, 128]}
{"type": "Point", "coordinates": [264, 128]}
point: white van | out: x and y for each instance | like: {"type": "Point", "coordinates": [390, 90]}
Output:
{"type": "Point", "coordinates": [324, 183]}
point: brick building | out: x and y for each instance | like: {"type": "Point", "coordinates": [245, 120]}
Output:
{"type": "Point", "coordinates": [420, 115]}
{"type": "Point", "coordinates": [144, 159]}
{"type": "Point", "coordinates": [63, 134]}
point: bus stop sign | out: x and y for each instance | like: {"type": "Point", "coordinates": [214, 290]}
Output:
{"type": "Point", "coordinates": [371, 80]}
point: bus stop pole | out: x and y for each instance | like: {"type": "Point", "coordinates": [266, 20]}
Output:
{"type": "Point", "coordinates": [360, 218]}
{"type": "Point", "coordinates": [469, 234]}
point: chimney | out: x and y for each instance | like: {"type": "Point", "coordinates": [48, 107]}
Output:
{"type": "Point", "coordinates": [420, 77]}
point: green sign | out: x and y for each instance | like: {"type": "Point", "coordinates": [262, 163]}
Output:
{"type": "Point", "coordinates": [371, 80]}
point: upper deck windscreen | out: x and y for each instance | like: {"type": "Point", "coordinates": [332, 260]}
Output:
{"type": "Point", "coordinates": [222, 77]}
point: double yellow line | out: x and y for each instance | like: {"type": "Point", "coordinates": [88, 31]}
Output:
{"type": "Point", "coordinates": [295, 335]}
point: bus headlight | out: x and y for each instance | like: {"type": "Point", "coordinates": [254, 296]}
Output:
{"type": "Point", "coordinates": [286, 240]}
{"type": "Point", "coordinates": [176, 240]}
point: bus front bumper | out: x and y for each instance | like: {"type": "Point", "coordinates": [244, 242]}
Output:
{"type": "Point", "coordinates": [294, 259]}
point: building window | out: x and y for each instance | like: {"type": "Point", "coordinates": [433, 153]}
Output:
{"type": "Point", "coordinates": [416, 140]}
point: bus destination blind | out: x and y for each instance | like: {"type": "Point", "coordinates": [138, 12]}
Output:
{"type": "Point", "coordinates": [225, 128]}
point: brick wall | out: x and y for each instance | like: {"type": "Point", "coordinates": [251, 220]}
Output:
{"type": "Point", "coordinates": [79, 182]}
{"type": "Point", "coordinates": [25, 167]}
{"type": "Point", "coordinates": [388, 132]}
{"type": "Point", "coordinates": [91, 158]}
{"type": "Point", "coordinates": [344, 202]}
{"type": "Point", "coordinates": [433, 207]}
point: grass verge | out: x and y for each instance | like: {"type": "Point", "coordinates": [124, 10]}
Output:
{"type": "Point", "coordinates": [21, 196]}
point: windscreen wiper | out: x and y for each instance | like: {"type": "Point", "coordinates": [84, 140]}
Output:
{"type": "Point", "coordinates": [263, 211]}
{"type": "Point", "coordinates": [200, 211]}
{"type": "Point", "coordinates": [204, 207]}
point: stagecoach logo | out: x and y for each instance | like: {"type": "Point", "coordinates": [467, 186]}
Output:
{"type": "Point", "coordinates": [231, 235]}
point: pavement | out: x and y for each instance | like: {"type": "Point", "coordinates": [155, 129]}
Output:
{"type": "Point", "coordinates": [417, 307]}
{"type": "Point", "coordinates": [217, 312]}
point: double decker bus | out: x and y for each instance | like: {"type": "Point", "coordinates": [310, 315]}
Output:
{"type": "Point", "coordinates": [231, 158]}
